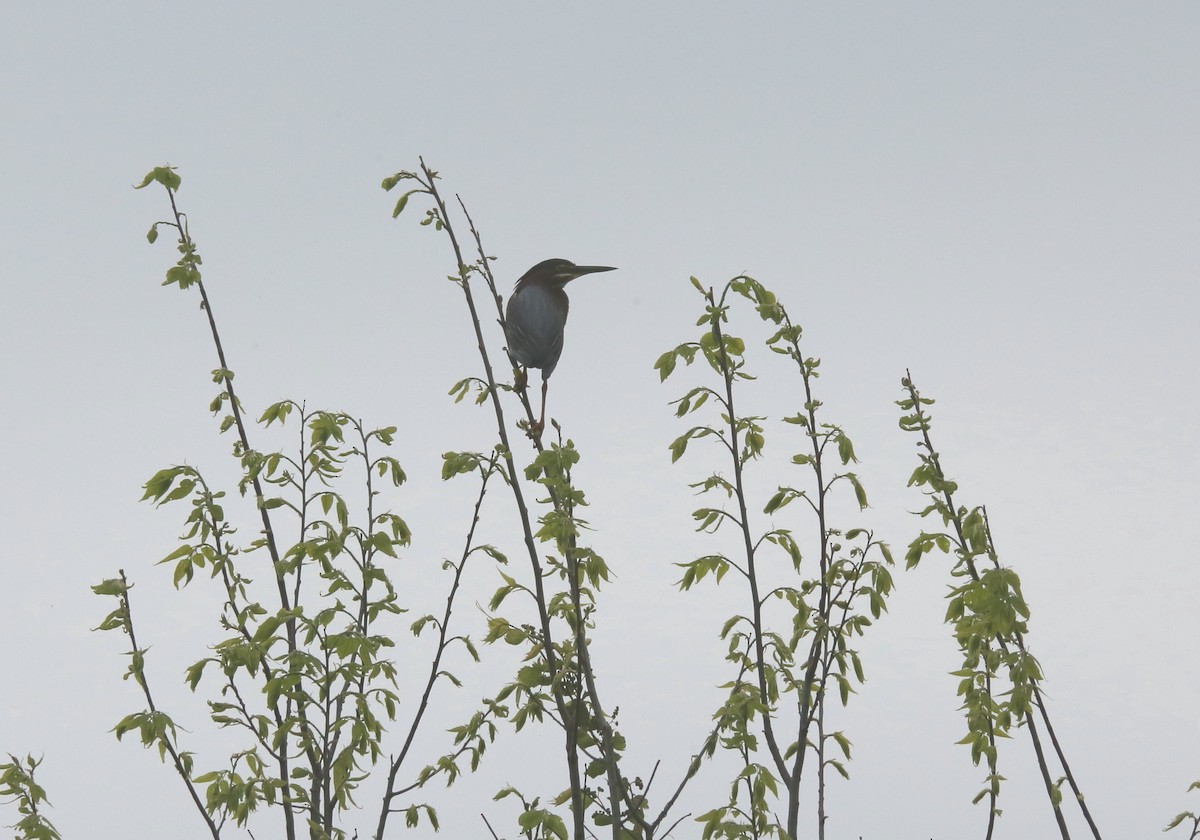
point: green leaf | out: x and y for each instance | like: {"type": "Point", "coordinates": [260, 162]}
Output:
{"type": "Point", "coordinates": [279, 411]}
{"type": "Point", "coordinates": [678, 447]}
{"type": "Point", "coordinates": [845, 449]}
{"type": "Point", "coordinates": [386, 435]}
{"type": "Point", "coordinates": [843, 742]}
{"type": "Point", "coordinates": [110, 586]}
{"type": "Point", "coordinates": [780, 499]}
{"type": "Point", "coordinates": [457, 463]}
{"type": "Point", "coordinates": [381, 542]}
{"type": "Point", "coordinates": [838, 766]}
{"type": "Point", "coordinates": [665, 365]}
{"type": "Point", "coordinates": [164, 175]}
{"type": "Point", "coordinates": [391, 181]}
{"type": "Point", "coordinates": [184, 275]}
{"type": "Point", "coordinates": [161, 482]}
{"type": "Point", "coordinates": [194, 673]}
{"type": "Point", "coordinates": [754, 444]}
{"type": "Point", "coordinates": [400, 204]}
{"type": "Point", "coordinates": [859, 493]}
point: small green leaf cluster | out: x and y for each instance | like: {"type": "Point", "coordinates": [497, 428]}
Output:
{"type": "Point", "coordinates": [736, 821]}
{"type": "Point", "coordinates": [17, 784]}
{"type": "Point", "coordinates": [390, 182]}
{"type": "Point", "coordinates": [472, 739]}
{"type": "Point", "coordinates": [483, 391]}
{"type": "Point", "coordinates": [186, 271]}
{"type": "Point", "coordinates": [433, 215]}
{"type": "Point", "coordinates": [535, 821]}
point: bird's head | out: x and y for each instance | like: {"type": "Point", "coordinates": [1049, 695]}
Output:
{"type": "Point", "coordinates": [557, 273]}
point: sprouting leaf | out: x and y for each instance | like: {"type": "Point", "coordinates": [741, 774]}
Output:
{"type": "Point", "coordinates": [678, 447]}
{"type": "Point", "coordinates": [845, 449]}
{"type": "Point", "coordinates": [401, 203]}
{"type": "Point", "coordinates": [457, 463]}
{"type": "Point", "coordinates": [279, 411]}
{"type": "Point", "coordinates": [859, 493]}
{"type": "Point", "coordinates": [842, 741]}
{"type": "Point", "coordinates": [665, 365]}
{"type": "Point", "coordinates": [110, 586]}
{"type": "Point", "coordinates": [164, 175]}
{"type": "Point", "coordinates": [782, 498]}
{"type": "Point", "coordinates": [460, 389]}
{"type": "Point", "coordinates": [184, 275]}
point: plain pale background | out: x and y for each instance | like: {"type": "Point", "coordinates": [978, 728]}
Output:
{"type": "Point", "coordinates": [1003, 198]}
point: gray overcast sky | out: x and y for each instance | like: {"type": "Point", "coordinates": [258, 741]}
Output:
{"type": "Point", "coordinates": [1003, 197]}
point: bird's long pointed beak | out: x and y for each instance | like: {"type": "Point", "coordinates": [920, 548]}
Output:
{"type": "Point", "coordinates": [581, 270]}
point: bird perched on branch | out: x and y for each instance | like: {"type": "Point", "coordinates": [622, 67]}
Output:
{"type": "Point", "coordinates": [536, 315]}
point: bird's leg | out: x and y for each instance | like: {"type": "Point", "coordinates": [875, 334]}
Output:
{"type": "Point", "coordinates": [541, 423]}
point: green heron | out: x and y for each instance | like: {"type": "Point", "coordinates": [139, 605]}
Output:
{"type": "Point", "coordinates": [536, 315]}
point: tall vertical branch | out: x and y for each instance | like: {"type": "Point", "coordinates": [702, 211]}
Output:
{"type": "Point", "coordinates": [188, 247]}
{"type": "Point", "coordinates": [819, 638]}
{"type": "Point", "coordinates": [972, 536]}
{"type": "Point", "coordinates": [186, 273]}
{"type": "Point", "coordinates": [441, 218]}
{"type": "Point", "coordinates": [617, 789]}
{"type": "Point", "coordinates": [720, 351]}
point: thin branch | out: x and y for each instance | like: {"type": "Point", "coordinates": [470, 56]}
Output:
{"type": "Point", "coordinates": [435, 666]}
{"type": "Point", "coordinates": [140, 676]}
{"type": "Point", "coordinates": [751, 572]}
{"type": "Point", "coordinates": [185, 239]}
{"type": "Point", "coordinates": [956, 521]}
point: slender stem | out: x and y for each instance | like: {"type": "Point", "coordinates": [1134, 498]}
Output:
{"type": "Point", "coordinates": [235, 408]}
{"type": "Point", "coordinates": [818, 645]}
{"type": "Point", "coordinates": [435, 666]}
{"type": "Point", "coordinates": [992, 760]}
{"type": "Point", "coordinates": [268, 531]}
{"type": "Point", "coordinates": [748, 547]}
{"type": "Point", "coordinates": [1040, 702]}
{"type": "Point", "coordinates": [303, 488]}
{"type": "Point", "coordinates": [1087, 814]}
{"type": "Point", "coordinates": [821, 817]}
{"type": "Point", "coordinates": [165, 741]}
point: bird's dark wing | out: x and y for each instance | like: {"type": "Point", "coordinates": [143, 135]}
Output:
{"type": "Point", "coordinates": [534, 322]}
{"type": "Point", "coordinates": [550, 360]}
